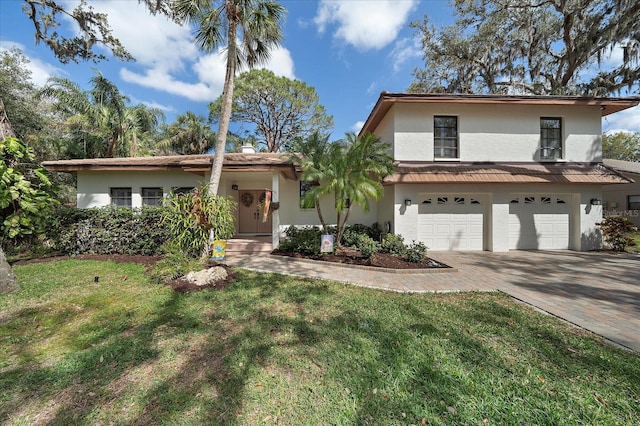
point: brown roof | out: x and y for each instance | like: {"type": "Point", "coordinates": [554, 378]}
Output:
{"type": "Point", "coordinates": [422, 172]}
{"type": "Point", "coordinates": [191, 163]}
{"type": "Point", "coordinates": [623, 166]}
{"type": "Point", "coordinates": [387, 100]}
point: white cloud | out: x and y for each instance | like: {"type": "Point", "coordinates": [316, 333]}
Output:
{"type": "Point", "coordinates": [168, 57]}
{"type": "Point", "coordinates": [357, 127]}
{"type": "Point", "coordinates": [403, 51]}
{"type": "Point", "coordinates": [623, 121]}
{"type": "Point", "coordinates": [40, 71]}
{"type": "Point", "coordinates": [365, 24]}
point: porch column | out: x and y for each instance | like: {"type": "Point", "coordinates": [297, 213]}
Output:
{"type": "Point", "coordinates": [275, 216]}
{"type": "Point", "coordinates": [499, 222]}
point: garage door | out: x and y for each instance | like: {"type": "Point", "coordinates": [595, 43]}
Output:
{"type": "Point", "coordinates": [451, 222]}
{"type": "Point", "coordinates": [539, 222]}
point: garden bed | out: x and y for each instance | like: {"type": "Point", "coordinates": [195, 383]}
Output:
{"type": "Point", "coordinates": [350, 256]}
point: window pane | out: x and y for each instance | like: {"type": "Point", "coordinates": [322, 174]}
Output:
{"type": "Point", "coordinates": [121, 197]}
{"type": "Point", "coordinates": [550, 138]}
{"type": "Point", "coordinates": [304, 187]}
{"type": "Point", "coordinates": [152, 196]}
{"type": "Point", "coordinates": [634, 202]}
{"type": "Point", "coordinates": [445, 141]}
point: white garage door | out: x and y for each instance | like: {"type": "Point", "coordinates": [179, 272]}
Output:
{"type": "Point", "coordinates": [539, 222]}
{"type": "Point", "coordinates": [451, 222]}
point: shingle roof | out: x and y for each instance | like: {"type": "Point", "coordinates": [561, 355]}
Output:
{"type": "Point", "coordinates": [623, 166]}
{"type": "Point", "coordinates": [429, 172]}
{"type": "Point", "coordinates": [192, 163]}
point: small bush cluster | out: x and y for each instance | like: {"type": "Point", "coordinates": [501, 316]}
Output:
{"type": "Point", "coordinates": [304, 240]}
{"type": "Point", "coordinates": [393, 244]}
{"type": "Point", "coordinates": [615, 230]}
{"type": "Point", "coordinates": [367, 245]}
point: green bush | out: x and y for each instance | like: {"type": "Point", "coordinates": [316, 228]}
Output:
{"type": "Point", "coordinates": [108, 230]}
{"type": "Point", "coordinates": [191, 216]}
{"type": "Point", "coordinates": [367, 245]}
{"type": "Point", "coordinates": [416, 252]}
{"type": "Point", "coordinates": [393, 244]}
{"type": "Point", "coordinates": [351, 233]}
{"type": "Point", "coordinates": [614, 230]}
{"type": "Point", "coordinates": [304, 240]}
{"type": "Point", "coordinates": [174, 264]}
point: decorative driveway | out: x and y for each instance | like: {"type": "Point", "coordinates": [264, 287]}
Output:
{"type": "Point", "coordinates": [597, 291]}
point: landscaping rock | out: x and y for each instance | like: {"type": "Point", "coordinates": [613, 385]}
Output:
{"type": "Point", "coordinates": [207, 276]}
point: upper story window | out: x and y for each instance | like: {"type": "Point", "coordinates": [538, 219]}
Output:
{"type": "Point", "coordinates": [121, 197]}
{"type": "Point", "coordinates": [550, 138]}
{"type": "Point", "coordinates": [445, 136]}
{"type": "Point", "coordinates": [152, 196]}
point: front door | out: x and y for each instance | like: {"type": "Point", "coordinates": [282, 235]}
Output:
{"type": "Point", "coordinates": [250, 210]}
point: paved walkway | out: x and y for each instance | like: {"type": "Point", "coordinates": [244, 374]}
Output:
{"type": "Point", "coordinates": [596, 291]}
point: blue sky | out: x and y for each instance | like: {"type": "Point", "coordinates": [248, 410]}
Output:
{"type": "Point", "coordinates": [349, 50]}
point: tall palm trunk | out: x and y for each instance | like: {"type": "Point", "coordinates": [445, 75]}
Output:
{"type": "Point", "coordinates": [225, 113]}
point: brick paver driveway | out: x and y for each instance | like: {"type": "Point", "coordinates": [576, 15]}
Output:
{"type": "Point", "coordinates": [596, 291]}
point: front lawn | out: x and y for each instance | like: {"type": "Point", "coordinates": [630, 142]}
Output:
{"type": "Point", "coordinates": [270, 349]}
{"type": "Point", "coordinates": [636, 238]}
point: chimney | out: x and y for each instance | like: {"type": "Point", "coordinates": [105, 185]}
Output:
{"type": "Point", "coordinates": [248, 149]}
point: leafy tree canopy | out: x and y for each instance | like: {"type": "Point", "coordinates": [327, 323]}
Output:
{"type": "Point", "coordinates": [93, 28]}
{"type": "Point", "coordinates": [281, 109]}
{"type": "Point", "coordinates": [532, 47]}
{"type": "Point", "coordinates": [621, 146]}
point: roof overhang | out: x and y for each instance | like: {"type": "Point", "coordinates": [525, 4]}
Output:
{"type": "Point", "coordinates": [233, 162]}
{"type": "Point", "coordinates": [572, 173]}
{"type": "Point", "coordinates": [387, 100]}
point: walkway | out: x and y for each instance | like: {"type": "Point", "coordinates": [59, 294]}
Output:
{"type": "Point", "coordinates": [596, 291]}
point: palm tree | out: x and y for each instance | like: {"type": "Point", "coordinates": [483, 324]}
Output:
{"type": "Point", "coordinates": [189, 134]}
{"type": "Point", "coordinates": [351, 170]}
{"type": "Point", "coordinates": [255, 24]}
{"type": "Point", "coordinates": [101, 116]}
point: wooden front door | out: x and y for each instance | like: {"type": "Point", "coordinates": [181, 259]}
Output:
{"type": "Point", "coordinates": [250, 208]}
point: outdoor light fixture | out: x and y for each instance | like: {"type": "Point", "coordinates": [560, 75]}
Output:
{"type": "Point", "coordinates": [234, 187]}
{"type": "Point", "coordinates": [407, 202]}
{"type": "Point", "coordinates": [596, 202]}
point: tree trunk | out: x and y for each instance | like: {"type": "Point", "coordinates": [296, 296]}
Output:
{"type": "Point", "coordinates": [225, 111]}
{"type": "Point", "coordinates": [8, 282]}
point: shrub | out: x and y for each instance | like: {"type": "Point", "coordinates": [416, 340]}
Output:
{"type": "Point", "coordinates": [174, 264]}
{"type": "Point", "coordinates": [416, 252]}
{"type": "Point", "coordinates": [301, 240]}
{"type": "Point", "coordinates": [192, 216]}
{"type": "Point", "coordinates": [367, 245]}
{"type": "Point", "coordinates": [393, 244]}
{"type": "Point", "coordinates": [614, 230]}
{"type": "Point", "coordinates": [351, 233]}
{"type": "Point", "coordinates": [107, 230]}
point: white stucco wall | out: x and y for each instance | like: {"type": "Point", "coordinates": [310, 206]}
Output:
{"type": "Point", "coordinates": [615, 198]}
{"type": "Point", "coordinates": [291, 213]}
{"type": "Point", "coordinates": [495, 132]}
{"type": "Point", "coordinates": [94, 186]}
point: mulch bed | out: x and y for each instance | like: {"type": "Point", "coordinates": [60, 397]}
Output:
{"type": "Point", "coordinates": [350, 256]}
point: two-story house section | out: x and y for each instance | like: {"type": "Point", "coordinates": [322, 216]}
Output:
{"type": "Point", "coordinates": [493, 172]}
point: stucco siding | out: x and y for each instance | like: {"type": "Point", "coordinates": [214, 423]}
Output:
{"type": "Point", "coordinates": [615, 198]}
{"type": "Point", "coordinates": [94, 187]}
{"type": "Point", "coordinates": [495, 132]}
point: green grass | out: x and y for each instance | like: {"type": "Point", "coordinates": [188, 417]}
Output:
{"type": "Point", "coordinates": [274, 349]}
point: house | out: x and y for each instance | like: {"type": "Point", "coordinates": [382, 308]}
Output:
{"type": "Point", "coordinates": [623, 199]}
{"type": "Point", "coordinates": [474, 172]}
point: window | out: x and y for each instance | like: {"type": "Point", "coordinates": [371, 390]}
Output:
{"type": "Point", "coordinates": [550, 138]}
{"type": "Point", "coordinates": [634, 202]}
{"type": "Point", "coordinates": [183, 190]}
{"type": "Point", "coordinates": [445, 137]}
{"type": "Point", "coordinates": [152, 196]}
{"type": "Point", "coordinates": [443, 200]}
{"type": "Point", "coordinates": [304, 187]}
{"type": "Point", "coordinates": [121, 197]}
